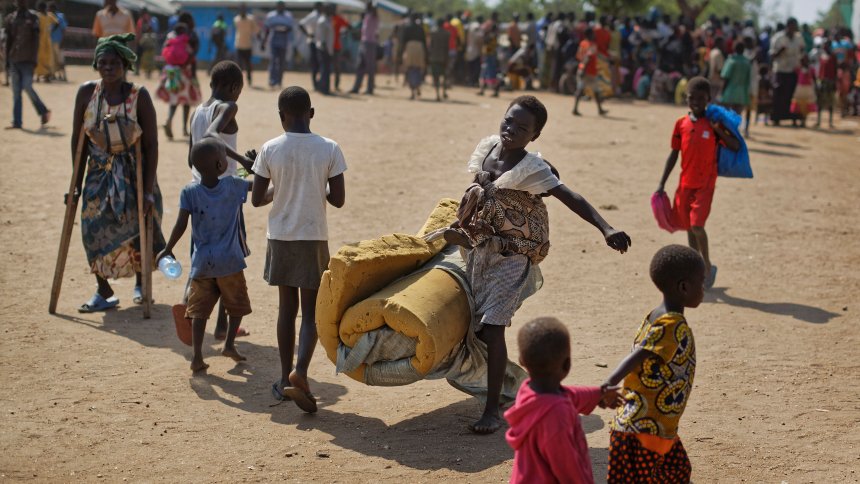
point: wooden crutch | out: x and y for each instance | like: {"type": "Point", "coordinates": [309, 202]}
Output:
{"type": "Point", "coordinates": [145, 229]}
{"type": "Point", "coordinates": [68, 224]}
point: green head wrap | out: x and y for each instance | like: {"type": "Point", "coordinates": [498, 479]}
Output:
{"type": "Point", "coordinates": [118, 44]}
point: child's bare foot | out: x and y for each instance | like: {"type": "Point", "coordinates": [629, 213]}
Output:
{"type": "Point", "coordinates": [299, 391]}
{"type": "Point", "coordinates": [455, 237]}
{"type": "Point", "coordinates": [198, 365]}
{"type": "Point", "coordinates": [300, 382]}
{"type": "Point", "coordinates": [488, 423]}
{"type": "Point", "coordinates": [232, 353]}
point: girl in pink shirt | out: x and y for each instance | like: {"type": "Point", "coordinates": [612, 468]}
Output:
{"type": "Point", "coordinates": [803, 102]}
{"type": "Point", "coordinates": [548, 441]}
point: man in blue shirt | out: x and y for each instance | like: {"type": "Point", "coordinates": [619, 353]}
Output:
{"type": "Point", "coordinates": [279, 24]}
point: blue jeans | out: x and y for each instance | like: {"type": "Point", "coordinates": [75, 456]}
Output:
{"type": "Point", "coordinates": [22, 80]}
{"type": "Point", "coordinates": [276, 65]}
{"type": "Point", "coordinates": [366, 65]}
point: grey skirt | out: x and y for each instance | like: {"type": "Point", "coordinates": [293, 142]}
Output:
{"type": "Point", "coordinates": [296, 263]}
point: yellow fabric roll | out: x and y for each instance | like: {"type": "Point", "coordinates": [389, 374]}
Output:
{"type": "Point", "coordinates": [429, 307]}
{"type": "Point", "coordinates": [358, 271]}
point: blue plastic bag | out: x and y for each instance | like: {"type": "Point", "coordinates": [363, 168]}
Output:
{"type": "Point", "coordinates": [735, 164]}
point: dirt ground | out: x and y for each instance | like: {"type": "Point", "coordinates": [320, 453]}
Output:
{"type": "Point", "coordinates": [110, 395]}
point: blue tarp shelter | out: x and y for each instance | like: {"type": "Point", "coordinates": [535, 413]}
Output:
{"type": "Point", "coordinates": [205, 13]}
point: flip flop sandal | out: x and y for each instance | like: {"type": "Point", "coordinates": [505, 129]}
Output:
{"type": "Point", "coordinates": [276, 392]}
{"type": "Point", "coordinates": [305, 401]}
{"type": "Point", "coordinates": [98, 303]}
{"type": "Point", "coordinates": [712, 278]}
{"type": "Point", "coordinates": [241, 332]}
{"type": "Point", "coordinates": [137, 296]}
{"type": "Point", "coordinates": [183, 324]}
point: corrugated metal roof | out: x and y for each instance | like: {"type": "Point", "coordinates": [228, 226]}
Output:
{"type": "Point", "coordinates": [160, 7]}
{"type": "Point", "coordinates": [355, 5]}
{"type": "Point", "coordinates": [392, 7]}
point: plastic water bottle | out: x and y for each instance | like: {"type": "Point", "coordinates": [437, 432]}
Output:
{"type": "Point", "coordinates": [170, 267]}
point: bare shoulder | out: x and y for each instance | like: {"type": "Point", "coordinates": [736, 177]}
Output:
{"type": "Point", "coordinates": [87, 88]}
{"type": "Point", "coordinates": [142, 91]}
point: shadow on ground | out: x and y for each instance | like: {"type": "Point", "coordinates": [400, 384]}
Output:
{"type": "Point", "coordinates": [430, 441]}
{"type": "Point", "coordinates": [802, 312]}
{"type": "Point", "coordinates": [784, 154]}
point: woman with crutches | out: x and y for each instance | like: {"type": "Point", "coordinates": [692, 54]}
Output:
{"type": "Point", "coordinates": [115, 131]}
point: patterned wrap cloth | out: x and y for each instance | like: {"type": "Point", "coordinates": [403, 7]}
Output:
{"type": "Point", "coordinates": [510, 208]}
{"type": "Point", "coordinates": [109, 222]}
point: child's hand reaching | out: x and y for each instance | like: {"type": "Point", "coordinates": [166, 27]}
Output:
{"type": "Point", "coordinates": [164, 253]}
{"type": "Point", "coordinates": [617, 240]}
{"type": "Point", "coordinates": [247, 163]}
{"type": "Point", "coordinates": [610, 396]}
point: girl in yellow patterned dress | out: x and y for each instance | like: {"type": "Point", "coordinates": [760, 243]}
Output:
{"type": "Point", "coordinates": [658, 376]}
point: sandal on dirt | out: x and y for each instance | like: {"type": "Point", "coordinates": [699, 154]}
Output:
{"type": "Point", "coordinates": [137, 296]}
{"type": "Point", "coordinates": [239, 333]}
{"type": "Point", "coordinates": [98, 303]}
{"type": "Point", "coordinates": [183, 324]}
{"type": "Point", "coordinates": [276, 392]}
{"type": "Point", "coordinates": [712, 278]}
{"type": "Point", "coordinates": [305, 401]}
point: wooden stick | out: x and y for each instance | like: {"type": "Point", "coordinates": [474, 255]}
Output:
{"type": "Point", "coordinates": [145, 242]}
{"type": "Point", "coordinates": [147, 261]}
{"type": "Point", "coordinates": [68, 224]}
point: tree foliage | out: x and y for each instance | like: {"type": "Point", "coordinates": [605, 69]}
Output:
{"type": "Point", "coordinates": [831, 17]}
{"type": "Point", "coordinates": [618, 7]}
{"type": "Point", "coordinates": [734, 9]}
{"type": "Point", "coordinates": [438, 7]}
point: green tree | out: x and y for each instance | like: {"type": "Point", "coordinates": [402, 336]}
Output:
{"type": "Point", "coordinates": [618, 7]}
{"type": "Point", "coordinates": [831, 17]}
{"type": "Point", "coordinates": [438, 7]}
{"type": "Point", "coordinates": [507, 8]}
{"type": "Point", "coordinates": [701, 9]}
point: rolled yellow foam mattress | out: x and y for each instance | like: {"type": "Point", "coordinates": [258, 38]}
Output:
{"type": "Point", "coordinates": [365, 289]}
{"type": "Point", "coordinates": [429, 307]}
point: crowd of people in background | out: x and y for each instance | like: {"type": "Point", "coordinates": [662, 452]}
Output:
{"type": "Point", "coordinates": [774, 74]}
{"type": "Point", "coordinates": [782, 73]}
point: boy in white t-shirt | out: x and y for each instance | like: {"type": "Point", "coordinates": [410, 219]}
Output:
{"type": "Point", "coordinates": [300, 165]}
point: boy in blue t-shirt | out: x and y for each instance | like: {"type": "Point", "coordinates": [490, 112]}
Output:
{"type": "Point", "coordinates": [218, 261]}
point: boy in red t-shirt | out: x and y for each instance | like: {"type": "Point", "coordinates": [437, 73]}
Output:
{"type": "Point", "coordinates": [586, 76]}
{"type": "Point", "coordinates": [696, 138]}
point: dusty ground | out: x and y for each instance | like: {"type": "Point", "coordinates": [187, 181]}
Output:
{"type": "Point", "coordinates": [110, 395]}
